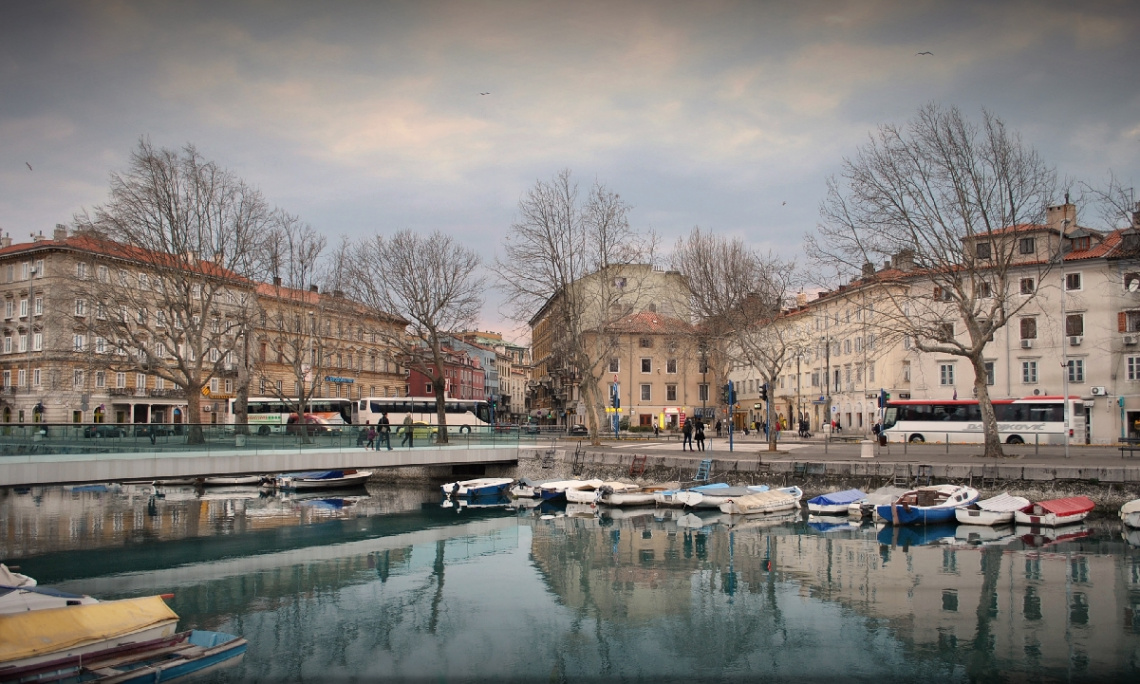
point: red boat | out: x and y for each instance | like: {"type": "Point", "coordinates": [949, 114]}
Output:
{"type": "Point", "coordinates": [1055, 512]}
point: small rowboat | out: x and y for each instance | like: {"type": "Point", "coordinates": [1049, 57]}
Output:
{"type": "Point", "coordinates": [155, 660]}
{"type": "Point", "coordinates": [785, 499]}
{"type": "Point", "coordinates": [642, 496]}
{"type": "Point", "coordinates": [682, 497]}
{"type": "Point", "coordinates": [1056, 512]}
{"type": "Point", "coordinates": [997, 510]}
{"type": "Point", "coordinates": [557, 490]}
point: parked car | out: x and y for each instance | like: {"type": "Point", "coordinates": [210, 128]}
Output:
{"type": "Point", "coordinates": [314, 425]}
{"type": "Point", "coordinates": [158, 429]}
{"type": "Point", "coordinates": [531, 428]}
{"type": "Point", "coordinates": [579, 430]}
{"type": "Point", "coordinates": [104, 431]}
{"type": "Point", "coordinates": [422, 431]}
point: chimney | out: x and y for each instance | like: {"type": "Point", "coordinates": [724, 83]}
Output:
{"type": "Point", "coordinates": [6, 241]}
{"type": "Point", "coordinates": [868, 269]}
{"type": "Point", "coordinates": [313, 288]}
{"type": "Point", "coordinates": [904, 260]}
{"type": "Point", "coordinates": [38, 236]}
{"type": "Point", "coordinates": [1136, 216]}
{"type": "Point", "coordinates": [60, 232]}
{"type": "Point", "coordinates": [276, 281]}
{"type": "Point", "coordinates": [801, 299]}
{"type": "Point", "coordinates": [886, 264]}
{"type": "Point", "coordinates": [1062, 217]}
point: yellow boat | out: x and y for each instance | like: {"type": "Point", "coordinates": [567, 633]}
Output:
{"type": "Point", "coordinates": [38, 636]}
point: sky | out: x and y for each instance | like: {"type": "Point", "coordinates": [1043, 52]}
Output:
{"type": "Point", "coordinates": [372, 117]}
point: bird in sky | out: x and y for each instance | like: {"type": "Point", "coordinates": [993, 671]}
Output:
{"type": "Point", "coordinates": [484, 93]}
{"type": "Point", "coordinates": [28, 165]}
{"type": "Point", "coordinates": [927, 52]}
{"type": "Point", "coordinates": [782, 203]}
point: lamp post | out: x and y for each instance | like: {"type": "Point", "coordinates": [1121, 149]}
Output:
{"type": "Point", "coordinates": [1064, 342]}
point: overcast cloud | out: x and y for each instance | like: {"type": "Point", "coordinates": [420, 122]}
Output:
{"type": "Point", "coordinates": [367, 117]}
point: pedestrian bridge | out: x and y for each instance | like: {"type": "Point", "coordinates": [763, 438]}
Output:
{"type": "Point", "coordinates": [41, 463]}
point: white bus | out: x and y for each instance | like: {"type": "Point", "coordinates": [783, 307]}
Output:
{"type": "Point", "coordinates": [1030, 420]}
{"type": "Point", "coordinates": [270, 414]}
{"type": "Point", "coordinates": [463, 415]}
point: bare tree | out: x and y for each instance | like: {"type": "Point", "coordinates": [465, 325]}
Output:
{"type": "Point", "coordinates": [433, 282]}
{"type": "Point", "coordinates": [738, 298]}
{"type": "Point", "coordinates": [568, 263]}
{"type": "Point", "coordinates": [953, 199]}
{"type": "Point", "coordinates": [165, 289]}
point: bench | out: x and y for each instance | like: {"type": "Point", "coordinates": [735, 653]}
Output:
{"type": "Point", "coordinates": [1129, 446]}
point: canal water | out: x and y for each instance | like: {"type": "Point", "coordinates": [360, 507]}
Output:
{"type": "Point", "coordinates": [388, 584]}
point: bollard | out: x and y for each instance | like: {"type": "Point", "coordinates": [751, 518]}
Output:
{"type": "Point", "coordinates": [868, 449]}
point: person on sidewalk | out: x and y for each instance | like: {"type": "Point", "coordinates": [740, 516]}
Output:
{"type": "Point", "coordinates": [700, 430]}
{"type": "Point", "coordinates": [385, 431]}
{"type": "Point", "coordinates": [687, 432]}
{"type": "Point", "coordinates": [407, 432]}
{"type": "Point", "coordinates": [371, 438]}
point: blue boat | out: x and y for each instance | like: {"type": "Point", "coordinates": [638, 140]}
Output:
{"type": "Point", "coordinates": [156, 660]}
{"type": "Point", "coordinates": [835, 503]}
{"type": "Point", "coordinates": [479, 487]}
{"type": "Point", "coordinates": [927, 505]}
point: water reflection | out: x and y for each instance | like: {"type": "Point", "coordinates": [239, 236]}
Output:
{"type": "Point", "coordinates": [390, 583]}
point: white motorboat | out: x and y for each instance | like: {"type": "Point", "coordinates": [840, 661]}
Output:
{"type": "Point", "coordinates": [591, 494]}
{"type": "Point", "coordinates": [526, 488]}
{"type": "Point", "coordinates": [231, 480]}
{"type": "Point", "coordinates": [642, 496]}
{"type": "Point", "coordinates": [997, 510]}
{"type": "Point", "coordinates": [557, 489]}
{"type": "Point", "coordinates": [927, 505]}
{"type": "Point", "coordinates": [479, 487]}
{"type": "Point", "coordinates": [323, 479]}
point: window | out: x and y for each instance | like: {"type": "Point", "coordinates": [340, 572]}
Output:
{"type": "Point", "coordinates": [946, 374]}
{"type": "Point", "coordinates": [100, 379]}
{"type": "Point", "coordinates": [991, 376]}
{"type": "Point", "coordinates": [1132, 282]}
{"type": "Point", "coordinates": [140, 381]}
{"type": "Point", "coordinates": [847, 346]}
{"type": "Point", "coordinates": [144, 282]}
{"type": "Point", "coordinates": [7, 344]}
{"type": "Point", "coordinates": [120, 380]}
{"type": "Point", "coordinates": [1081, 244]}
{"type": "Point", "coordinates": [81, 270]}
{"type": "Point", "coordinates": [23, 343]}
{"type": "Point", "coordinates": [38, 341]}
{"type": "Point", "coordinates": [102, 274]}
{"type": "Point", "coordinates": [7, 378]}
{"type": "Point", "coordinates": [984, 290]}
{"type": "Point", "coordinates": [703, 391]}
{"type": "Point", "coordinates": [946, 332]}
{"type": "Point", "coordinates": [645, 342]}
{"type": "Point", "coordinates": [646, 392]}
{"type": "Point", "coordinates": [142, 317]}
{"type": "Point", "coordinates": [80, 307]}
{"type": "Point", "coordinates": [983, 250]}
{"type": "Point", "coordinates": [1074, 324]}
{"type": "Point", "coordinates": [1072, 281]}
{"type": "Point", "coordinates": [1029, 328]}
{"type": "Point", "coordinates": [1129, 321]}
{"type": "Point", "coordinates": [647, 365]}
{"type": "Point", "coordinates": [23, 308]}
{"type": "Point", "coordinates": [671, 366]}
{"type": "Point", "coordinates": [21, 378]}
{"type": "Point", "coordinates": [1076, 368]}
{"type": "Point", "coordinates": [36, 377]}
{"type": "Point", "coordinates": [160, 319]}
{"type": "Point", "coordinates": [1028, 286]}
{"type": "Point", "coordinates": [619, 283]}
{"type": "Point", "coordinates": [1029, 372]}
{"type": "Point", "coordinates": [77, 378]}
{"type": "Point", "coordinates": [615, 364]}
{"type": "Point", "coordinates": [9, 308]}
{"type": "Point", "coordinates": [79, 342]}
{"type": "Point", "coordinates": [1027, 245]}
{"type": "Point", "coordinates": [670, 393]}
{"type": "Point", "coordinates": [1133, 367]}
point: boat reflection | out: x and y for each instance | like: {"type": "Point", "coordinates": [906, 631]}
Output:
{"type": "Point", "coordinates": [915, 535]}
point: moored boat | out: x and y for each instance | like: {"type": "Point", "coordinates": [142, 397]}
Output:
{"type": "Point", "coordinates": [155, 660]}
{"type": "Point", "coordinates": [835, 503]}
{"type": "Point", "coordinates": [642, 496]}
{"type": "Point", "coordinates": [1130, 513]}
{"type": "Point", "coordinates": [997, 510]}
{"type": "Point", "coordinates": [929, 505]}
{"type": "Point", "coordinates": [591, 494]}
{"type": "Point", "coordinates": [879, 497]}
{"type": "Point", "coordinates": [322, 479]}
{"type": "Point", "coordinates": [231, 480]}
{"type": "Point", "coordinates": [785, 499]}
{"type": "Point", "coordinates": [1055, 512]}
{"type": "Point", "coordinates": [557, 489]}
{"type": "Point", "coordinates": [37, 636]}
{"type": "Point", "coordinates": [478, 487]}
{"type": "Point", "coordinates": [681, 497]}
{"type": "Point", "coordinates": [526, 488]}
{"type": "Point", "coordinates": [30, 597]}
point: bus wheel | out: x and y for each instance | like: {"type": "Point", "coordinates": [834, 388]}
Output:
{"type": "Point", "coordinates": [263, 430]}
{"type": "Point", "coordinates": [1014, 439]}
{"type": "Point", "coordinates": [916, 439]}
{"type": "Point", "coordinates": [465, 428]}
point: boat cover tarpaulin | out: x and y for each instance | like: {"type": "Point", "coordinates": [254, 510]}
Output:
{"type": "Point", "coordinates": [37, 632]}
{"type": "Point", "coordinates": [846, 497]}
{"type": "Point", "coordinates": [1004, 503]}
{"type": "Point", "coordinates": [1067, 506]}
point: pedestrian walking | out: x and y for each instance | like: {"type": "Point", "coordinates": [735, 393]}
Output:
{"type": "Point", "coordinates": [687, 432]}
{"type": "Point", "coordinates": [407, 439]}
{"type": "Point", "coordinates": [385, 431]}
{"type": "Point", "coordinates": [371, 438]}
{"type": "Point", "coordinates": [718, 428]}
{"type": "Point", "coordinates": [656, 430]}
{"type": "Point", "coordinates": [700, 430]}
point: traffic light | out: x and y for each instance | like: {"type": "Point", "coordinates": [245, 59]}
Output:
{"type": "Point", "coordinates": [884, 397]}
{"type": "Point", "coordinates": [615, 400]}
{"type": "Point", "coordinates": [731, 394]}
{"type": "Point", "coordinates": [724, 393]}
{"type": "Point", "coordinates": [764, 392]}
